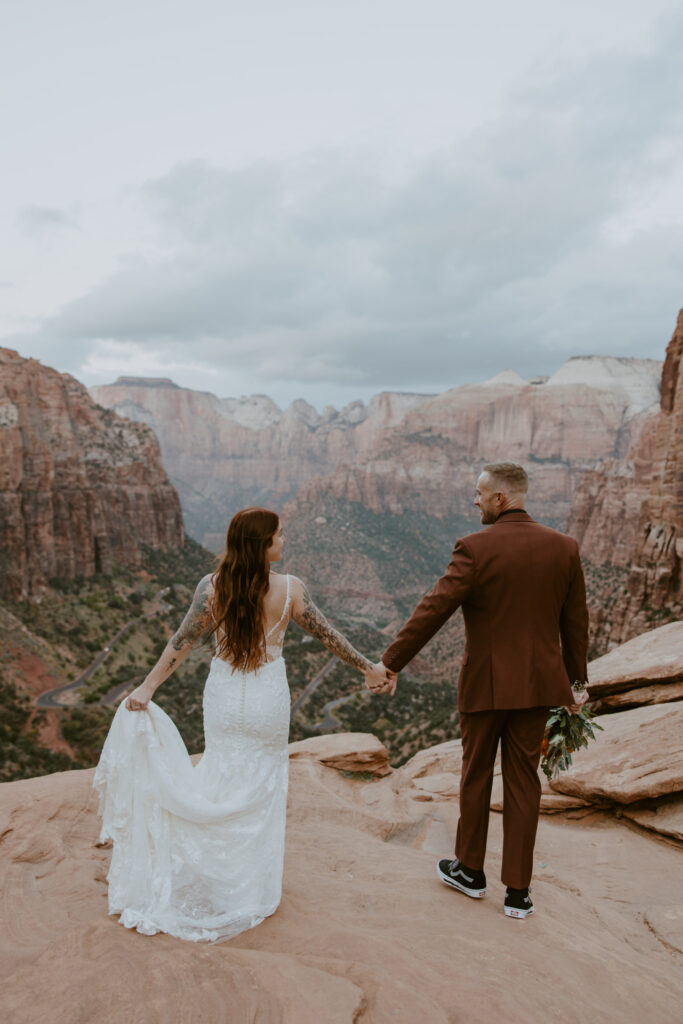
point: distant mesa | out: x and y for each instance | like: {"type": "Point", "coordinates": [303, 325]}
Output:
{"type": "Point", "coordinates": [506, 377]}
{"type": "Point", "coordinates": [399, 452]}
{"type": "Point", "coordinates": [144, 382]}
{"type": "Point", "coordinates": [639, 379]}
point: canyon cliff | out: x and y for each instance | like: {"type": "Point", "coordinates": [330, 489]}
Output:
{"type": "Point", "coordinates": [629, 513]}
{"type": "Point", "coordinates": [80, 488]}
{"type": "Point", "coordinates": [588, 411]}
{"type": "Point", "coordinates": [401, 452]}
{"type": "Point", "coordinates": [223, 454]}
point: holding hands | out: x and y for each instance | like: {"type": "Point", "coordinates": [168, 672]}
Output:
{"type": "Point", "coordinates": [380, 679]}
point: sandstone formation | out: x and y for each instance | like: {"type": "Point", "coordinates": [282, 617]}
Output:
{"type": "Point", "coordinates": [80, 488]}
{"type": "Point", "coordinates": [604, 516]}
{"type": "Point", "coordinates": [400, 452]}
{"type": "Point", "coordinates": [434, 774]}
{"type": "Point", "coordinates": [659, 693]}
{"type": "Point", "coordinates": [655, 583]}
{"type": "Point", "coordinates": [558, 429]}
{"type": "Point", "coordinates": [346, 751]}
{"type": "Point", "coordinates": [225, 454]}
{"type": "Point", "coordinates": [653, 658]}
{"type": "Point", "coordinates": [629, 513]}
{"type": "Point", "coordinates": [639, 756]}
{"type": "Point", "coordinates": [645, 670]}
{"type": "Point", "coordinates": [365, 931]}
{"type": "Point", "coordinates": [665, 817]}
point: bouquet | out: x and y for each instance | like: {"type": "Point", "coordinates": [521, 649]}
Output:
{"type": "Point", "coordinates": [566, 733]}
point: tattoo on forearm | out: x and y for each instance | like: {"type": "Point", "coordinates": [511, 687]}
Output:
{"type": "Point", "coordinates": [197, 622]}
{"type": "Point", "coordinates": [315, 623]}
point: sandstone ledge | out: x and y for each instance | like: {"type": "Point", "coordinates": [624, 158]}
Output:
{"type": "Point", "coordinates": [638, 756]}
{"type": "Point", "coordinates": [652, 657]}
{"type": "Point", "coordinates": [345, 751]}
{"type": "Point", "coordinates": [365, 933]}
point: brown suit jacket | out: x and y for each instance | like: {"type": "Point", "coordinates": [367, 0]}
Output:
{"type": "Point", "coordinates": [523, 597]}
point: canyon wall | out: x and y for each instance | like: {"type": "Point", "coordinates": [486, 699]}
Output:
{"type": "Point", "coordinates": [225, 454]}
{"type": "Point", "coordinates": [80, 488]}
{"type": "Point", "coordinates": [629, 513]}
{"type": "Point", "coordinates": [401, 452]}
{"type": "Point", "coordinates": [559, 429]}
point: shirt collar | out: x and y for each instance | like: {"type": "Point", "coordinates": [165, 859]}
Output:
{"type": "Point", "coordinates": [510, 511]}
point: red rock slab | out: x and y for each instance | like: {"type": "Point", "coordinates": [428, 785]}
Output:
{"type": "Point", "coordinates": [652, 657]}
{"type": "Point", "coordinates": [345, 751]}
{"type": "Point", "coordinates": [666, 818]}
{"type": "Point", "coordinates": [638, 756]}
{"type": "Point", "coordinates": [551, 802]}
{"type": "Point", "coordinates": [659, 693]}
{"type": "Point", "coordinates": [444, 757]}
{"type": "Point", "coordinates": [365, 933]}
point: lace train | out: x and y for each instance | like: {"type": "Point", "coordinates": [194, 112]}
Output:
{"type": "Point", "coordinates": [198, 850]}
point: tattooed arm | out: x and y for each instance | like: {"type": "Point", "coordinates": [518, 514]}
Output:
{"type": "Point", "coordinates": [310, 618]}
{"type": "Point", "coordinates": [194, 626]}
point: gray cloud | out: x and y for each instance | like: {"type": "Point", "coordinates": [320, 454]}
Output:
{"type": "Point", "coordinates": [36, 221]}
{"type": "Point", "coordinates": [499, 251]}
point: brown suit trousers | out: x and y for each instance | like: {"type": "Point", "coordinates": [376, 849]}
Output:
{"type": "Point", "coordinates": [520, 734]}
{"type": "Point", "coordinates": [521, 589]}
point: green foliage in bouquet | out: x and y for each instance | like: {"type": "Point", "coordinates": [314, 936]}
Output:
{"type": "Point", "coordinates": [564, 734]}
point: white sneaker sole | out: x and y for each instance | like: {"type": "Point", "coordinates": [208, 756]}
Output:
{"type": "Point", "coordinates": [511, 912]}
{"type": "Point", "coordinates": [476, 894]}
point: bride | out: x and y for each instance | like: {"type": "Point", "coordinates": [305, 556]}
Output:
{"type": "Point", "coordinates": [198, 850]}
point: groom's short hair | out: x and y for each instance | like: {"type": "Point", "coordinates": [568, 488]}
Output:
{"type": "Point", "coordinates": [511, 478]}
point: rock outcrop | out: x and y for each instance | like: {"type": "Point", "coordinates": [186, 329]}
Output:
{"type": "Point", "coordinates": [365, 931]}
{"type": "Point", "coordinates": [604, 516]}
{"type": "Point", "coordinates": [655, 582]}
{"type": "Point", "coordinates": [645, 670]}
{"type": "Point", "coordinates": [80, 488]}
{"type": "Point", "coordinates": [629, 513]}
{"type": "Point", "coordinates": [358, 753]}
{"type": "Point", "coordinates": [639, 756]}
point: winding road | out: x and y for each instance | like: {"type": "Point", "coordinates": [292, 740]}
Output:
{"type": "Point", "coordinates": [50, 699]}
{"type": "Point", "coordinates": [312, 686]}
{"type": "Point", "coordinates": [329, 721]}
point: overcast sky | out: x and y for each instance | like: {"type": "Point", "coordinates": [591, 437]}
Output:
{"type": "Point", "coordinates": [326, 200]}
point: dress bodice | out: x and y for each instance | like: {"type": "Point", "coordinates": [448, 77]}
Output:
{"type": "Point", "coordinates": [276, 634]}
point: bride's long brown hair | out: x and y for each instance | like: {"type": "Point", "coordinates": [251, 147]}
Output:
{"type": "Point", "coordinates": [240, 584]}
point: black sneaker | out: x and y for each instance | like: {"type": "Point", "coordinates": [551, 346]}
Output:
{"type": "Point", "coordinates": [518, 903]}
{"type": "Point", "coordinates": [454, 873]}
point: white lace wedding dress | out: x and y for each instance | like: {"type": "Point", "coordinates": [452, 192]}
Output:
{"type": "Point", "coordinates": [198, 850]}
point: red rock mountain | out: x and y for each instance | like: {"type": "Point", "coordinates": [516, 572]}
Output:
{"type": "Point", "coordinates": [559, 428]}
{"type": "Point", "coordinates": [630, 513]}
{"type": "Point", "coordinates": [401, 452]}
{"type": "Point", "coordinates": [80, 488]}
{"type": "Point", "coordinates": [224, 454]}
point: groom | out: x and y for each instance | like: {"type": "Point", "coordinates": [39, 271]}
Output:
{"type": "Point", "coordinates": [523, 597]}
